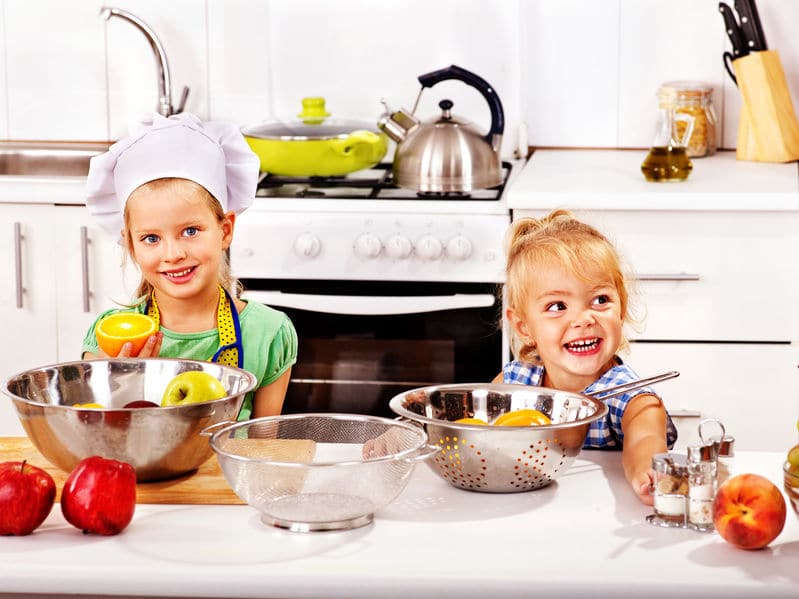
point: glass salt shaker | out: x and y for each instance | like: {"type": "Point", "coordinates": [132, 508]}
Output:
{"type": "Point", "coordinates": [670, 492]}
{"type": "Point", "coordinates": [724, 446]}
{"type": "Point", "coordinates": [701, 486]}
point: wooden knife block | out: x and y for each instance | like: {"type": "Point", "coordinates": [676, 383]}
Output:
{"type": "Point", "coordinates": [767, 127]}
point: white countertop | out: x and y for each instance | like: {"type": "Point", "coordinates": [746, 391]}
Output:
{"type": "Point", "coordinates": [612, 180]}
{"type": "Point", "coordinates": [583, 536]}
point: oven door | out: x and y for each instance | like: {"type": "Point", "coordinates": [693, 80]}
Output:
{"type": "Point", "coordinates": [361, 343]}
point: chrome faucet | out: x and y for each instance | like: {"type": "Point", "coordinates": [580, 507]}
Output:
{"type": "Point", "coordinates": [164, 85]}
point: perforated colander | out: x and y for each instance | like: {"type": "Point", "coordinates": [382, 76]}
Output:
{"type": "Point", "coordinates": [504, 459]}
{"type": "Point", "coordinates": [306, 472]}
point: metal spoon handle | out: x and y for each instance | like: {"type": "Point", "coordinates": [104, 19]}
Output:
{"type": "Point", "coordinates": [615, 390]}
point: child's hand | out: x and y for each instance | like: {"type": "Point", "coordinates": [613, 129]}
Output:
{"type": "Point", "coordinates": [642, 486]}
{"type": "Point", "coordinates": [151, 348]}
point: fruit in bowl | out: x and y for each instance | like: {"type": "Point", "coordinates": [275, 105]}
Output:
{"type": "Point", "coordinates": [749, 511]}
{"type": "Point", "coordinates": [192, 386]}
{"type": "Point", "coordinates": [116, 329]}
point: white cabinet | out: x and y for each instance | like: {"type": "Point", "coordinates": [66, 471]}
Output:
{"type": "Point", "coordinates": [60, 271]}
{"type": "Point", "coordinates": [718, 297]}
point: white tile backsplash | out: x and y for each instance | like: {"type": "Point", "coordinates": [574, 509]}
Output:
{"type": "Point", "coordinates": [577, 73]}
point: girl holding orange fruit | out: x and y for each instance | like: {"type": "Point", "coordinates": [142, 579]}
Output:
{"type": "Point", "coordinates": [566, 303]}
{"type": "Point", "coordinates": [173, 191]}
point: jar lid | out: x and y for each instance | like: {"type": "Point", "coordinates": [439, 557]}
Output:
{"type": "Point", "coordinates": [685, 90]}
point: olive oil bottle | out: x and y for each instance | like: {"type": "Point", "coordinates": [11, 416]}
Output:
{"type": "Point", "coordinates": [666, 163]}
{"type": "Point", "coordinates": [667, 159]}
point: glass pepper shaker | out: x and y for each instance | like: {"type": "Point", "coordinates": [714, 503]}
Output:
{"type": "Point", "coordinates": [670, 491]}
{"type": "Point", "coordinates": [701, 486]}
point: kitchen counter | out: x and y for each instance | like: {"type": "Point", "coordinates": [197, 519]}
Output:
{"type": "Point", "coordinates": [612, 180]}
{"type": "Point", "coordinates": [583, 536]}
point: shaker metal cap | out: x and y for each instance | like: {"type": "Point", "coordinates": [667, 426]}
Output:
{"type": "Point", "coordinates": [702, 453]}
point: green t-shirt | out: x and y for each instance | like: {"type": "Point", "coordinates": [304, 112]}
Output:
{"type": "Point", "coordinates": [268, 337]}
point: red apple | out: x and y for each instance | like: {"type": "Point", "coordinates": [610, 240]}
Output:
{"type": "Point", "coordinates": [141, 403]}
{"type": "Point", "coordinates": [99, 495]}
{"type": "Point", "coordinates": [27, 494]}
{"type": "Point", "coordinates": [749, 511]}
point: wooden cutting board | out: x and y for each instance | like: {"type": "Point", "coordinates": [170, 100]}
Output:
{"type": "Point", "coordinates": [207, 485]}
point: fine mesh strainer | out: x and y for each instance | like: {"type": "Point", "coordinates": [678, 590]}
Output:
{"type": "Point", "coordinates": [305, 472]}
{"type": "Point", "coordinates": [504, 459]}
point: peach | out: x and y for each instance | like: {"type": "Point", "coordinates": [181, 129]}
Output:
{"type": "Point", "coordinates": [749, 511]}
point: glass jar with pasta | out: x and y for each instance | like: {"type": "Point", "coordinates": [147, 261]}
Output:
{"type": "Point", "coordinates": [696, 99]}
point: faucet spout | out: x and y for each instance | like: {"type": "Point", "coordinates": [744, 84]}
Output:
{"type": "Point", "coordinates": [162, 66]}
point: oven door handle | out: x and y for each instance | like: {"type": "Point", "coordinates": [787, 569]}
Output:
{"type": "Point", "coordinates": [370, 305]}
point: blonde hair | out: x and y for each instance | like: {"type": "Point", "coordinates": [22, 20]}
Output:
{"type": "Point", "coordinates": [560, 238]}
{"type": "Point", "coordinates": [226, 278]}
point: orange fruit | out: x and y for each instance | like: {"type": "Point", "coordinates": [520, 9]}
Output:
{"type": "Point", "coordinates": [116, 329]}
{"type": "Point", "coordinates": [522, 417]}
{"type": "Point", "coordinates": [470, 421]}
{"type": "Point", "coordinates": [88, 405]}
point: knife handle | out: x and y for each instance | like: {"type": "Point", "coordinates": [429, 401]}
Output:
{"type": "Point", "coordinates": [733, 31]}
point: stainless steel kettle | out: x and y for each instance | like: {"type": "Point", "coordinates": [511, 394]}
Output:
{"type": "Point", "coordinates": [446, 153]}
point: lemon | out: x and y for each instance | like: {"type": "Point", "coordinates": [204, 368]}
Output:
{"type": "Point", "coordinates": [88, 405]}
{"type": "Point", "coordinates": [470, 421]}
{"type": "Point", "coordinates": [116, 329]}
{"type": "Point", "coordinates": [523, 417]}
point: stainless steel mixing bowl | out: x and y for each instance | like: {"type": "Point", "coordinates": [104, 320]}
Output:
{"type": "Point", "coordinates": [307, 472]}
{"type": "Point", "coordinates": [159, 442]}
{"type": "Point", "coordinates": [500, 459]}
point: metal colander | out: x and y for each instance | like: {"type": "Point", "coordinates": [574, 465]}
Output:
{"type": "Point", "coordinates": [306, 472]}
{"type": "Point", "coordinates": [500, 459]}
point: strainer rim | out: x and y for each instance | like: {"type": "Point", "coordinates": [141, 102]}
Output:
{"type": "Point", "coordinates": [397, 456]}
{"type": "Point", "coordinates": [396, 407]}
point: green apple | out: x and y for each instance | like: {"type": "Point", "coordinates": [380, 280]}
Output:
{"type": "Point", "coordinates": [192, 386]}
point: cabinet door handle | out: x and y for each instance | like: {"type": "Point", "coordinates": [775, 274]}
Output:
{"type": "Point", "coordinates": [18, 261]}
{"type": "Point", "coordinates": [685, 413]}
{"type": "Point", "coordinates": [680, 276]}
{"type": "Point", "coordinates": [84, 259]}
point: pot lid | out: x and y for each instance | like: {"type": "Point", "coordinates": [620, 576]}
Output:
{"type": "Point", "coordinates": [314, 122]}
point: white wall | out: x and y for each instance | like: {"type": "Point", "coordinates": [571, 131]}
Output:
{"type": "Point", "coordinates": [579, 73]}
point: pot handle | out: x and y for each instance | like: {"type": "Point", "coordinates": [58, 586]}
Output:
{"type": "Point", "coordinates": [481, 85]}
{"type": "Point", "coordinates": [359, 142]}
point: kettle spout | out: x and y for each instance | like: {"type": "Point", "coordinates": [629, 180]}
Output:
{"type": "Point", "coordinates": [396, 124]}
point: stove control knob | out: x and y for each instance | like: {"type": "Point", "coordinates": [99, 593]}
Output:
{"type": "Point", "coordinates": [307, 245]}
{"type": "Point", "coordinates": [459, 248]}
{"type": "Point", "coordinates": [368, 245]}
{"type": "Point", "coordinates": [398, 247]}
{"type": "Point", "coordinates": [429, 248]}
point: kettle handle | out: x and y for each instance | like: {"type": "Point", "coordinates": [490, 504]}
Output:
{"type": "Point", "coordinates": [481, 85]}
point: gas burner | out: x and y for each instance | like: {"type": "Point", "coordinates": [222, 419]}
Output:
{"type": "Point", "coordinates": [369, 184]}
{"type": "Point", "coordinates": [444, 195]}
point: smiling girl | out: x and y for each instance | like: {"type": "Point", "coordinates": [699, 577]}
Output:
{"type": "Point", "coordinates": [173, 191]}
{"type": "Point", "coordinates": [566, 303]}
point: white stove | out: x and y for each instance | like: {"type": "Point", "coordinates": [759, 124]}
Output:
{"type": "Point", "coordinates": [388, 290]}
{"type": "Point", "coordinates": [362, 227]}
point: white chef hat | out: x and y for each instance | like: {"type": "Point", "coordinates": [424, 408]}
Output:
{"type": "Point", "coordinates": [213, 154]}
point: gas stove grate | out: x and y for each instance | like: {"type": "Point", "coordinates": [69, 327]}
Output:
{"type": "Point", "coordinates": [374, 183]}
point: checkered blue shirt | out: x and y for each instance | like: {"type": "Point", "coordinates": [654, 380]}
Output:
{"type": "Point", "coordinates": [604, 433]}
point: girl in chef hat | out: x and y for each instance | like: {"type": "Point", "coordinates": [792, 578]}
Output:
{"type": "Point", "coordinates": [172, 191]}
{"type": "Point", "coordinates": [566, 302]}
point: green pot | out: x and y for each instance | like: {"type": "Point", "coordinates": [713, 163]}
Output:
{"type": "Point", "coordinates": [316, 145]}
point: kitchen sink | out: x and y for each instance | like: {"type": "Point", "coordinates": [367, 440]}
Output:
{"type": "Point", "coordinates": [53, 159]}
